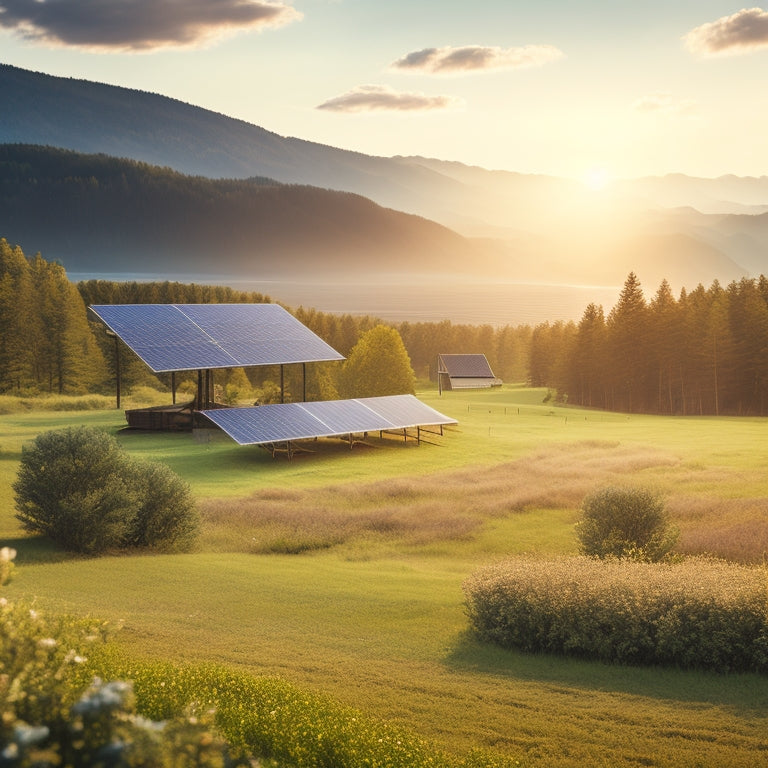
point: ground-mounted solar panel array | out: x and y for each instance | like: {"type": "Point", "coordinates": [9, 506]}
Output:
{"type": "Point", "coordinates": [184, 337]}
{"type": "Point", "coordinates": [286, 422]}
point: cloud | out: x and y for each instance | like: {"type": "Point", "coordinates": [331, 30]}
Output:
{"type": "Point", "coordinates": [742, 32]}
{"type": "Point", "coordinates": [138, 25]}
{"type": "Point", "coordinates": [370, 98]}
{"type": "Point", "coordinates": [664, 103]}
{"type": "Point", "coordinates": [475, 58]}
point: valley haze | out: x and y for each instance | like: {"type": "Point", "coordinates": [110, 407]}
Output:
{"type": "Point", "coordinates": [344, 221]}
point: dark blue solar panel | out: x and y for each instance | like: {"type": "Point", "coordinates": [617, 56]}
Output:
{"type": "Point", "coordinates": [300, 421]}
{"type": "Point", "coordinates": [175, 337]}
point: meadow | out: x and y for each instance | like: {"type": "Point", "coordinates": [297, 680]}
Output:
{"type": "Point", "coordinates": [341, 571]}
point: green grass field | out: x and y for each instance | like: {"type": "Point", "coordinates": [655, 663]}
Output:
{"type": "Point", "coordinates": [371, 609]}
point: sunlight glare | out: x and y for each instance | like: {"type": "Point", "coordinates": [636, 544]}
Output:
{"type": "Point", "coordinates": [596, 179]}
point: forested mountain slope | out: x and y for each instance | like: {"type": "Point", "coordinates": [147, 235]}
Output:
{"type": "Point", "coordinates": [98, 213]}
{"type": "Point", "coordinates": [552, 229]}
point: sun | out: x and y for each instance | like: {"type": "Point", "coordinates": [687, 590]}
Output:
{"type": "Point", "coordinates": [597, 178]}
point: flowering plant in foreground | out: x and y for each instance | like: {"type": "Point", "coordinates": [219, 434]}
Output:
{"type": "Point", "coordinates": [154, 714]}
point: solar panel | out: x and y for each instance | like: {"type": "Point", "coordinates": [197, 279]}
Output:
{"type": "Point", "coordinates": [264, 424]}
{"type": "Point", "coordinates": [348, 416]}
{"type": "Point", "coordinates": [180, 337]}
{"type": "Point", "coordinates": [405, 411]}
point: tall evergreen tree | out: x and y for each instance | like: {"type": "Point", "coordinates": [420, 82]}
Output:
{"type": "Point", "coordinates": [627, 326]}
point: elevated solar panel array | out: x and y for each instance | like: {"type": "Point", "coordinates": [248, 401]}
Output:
{"type": "Point", "coordinates": [285, 422]}
{"type": "Point", "coordinates": [183, 337]}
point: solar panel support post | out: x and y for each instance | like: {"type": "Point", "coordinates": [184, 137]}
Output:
{"type": "Point", "coordinates": [200, 404]}
{"type": "Point", "coordinates": [303, 382]}
{"type": "Point", "coordinates": [282, 383]}
{"type": "Point", "coordinates": [118, 375]}
{"type": "Point", "coordinates": [173, 387]}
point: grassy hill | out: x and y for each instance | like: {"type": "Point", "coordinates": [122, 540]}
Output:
{"type": "Point", "coordinates": [374, 617]}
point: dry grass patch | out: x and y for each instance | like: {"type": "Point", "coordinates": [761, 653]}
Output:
{"type": "Point", "coordinates": [423, 510]}
{"type": "Point", "coordinates": [733, 529]}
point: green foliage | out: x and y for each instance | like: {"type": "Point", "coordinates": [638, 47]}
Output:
{"type": "Point", "coordinates": [695, 614]}
{"type": "Point", "coordinates": [78, 487]}
{"type": "Point", "coordinates": [73, 488]}
{"type": "Point", "coordinates": [159, 715]}
{"type": "Point", "coordinates": [625, 522]}
{"type": "Point", "coordinates": [41, 666]}
{"type": "Point", "coordinates": [237, 387]}
{"type": "Point", "coordinates": [377, 365]}
{"type": "Point", "coordinates": [702, 353]}
{"type": "Point", "coordinates": [45, 341]}
{"type": "Point", "coordinates": [166, 518]}
{"type": "Point", "coordinates": [46, 719]}
{"type": "Point", "coordinates": [277, 720]}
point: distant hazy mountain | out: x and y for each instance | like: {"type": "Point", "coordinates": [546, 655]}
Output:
{"type": "Point", "coordinates": [99, 213]}
{"type": "Point", "coordinates": [527, 226]}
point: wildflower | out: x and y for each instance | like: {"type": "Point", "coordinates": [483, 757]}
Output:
{"type": "Point", "coordinates": [47, 642]}
{"type": "Point", "coordinates": [26, 735]}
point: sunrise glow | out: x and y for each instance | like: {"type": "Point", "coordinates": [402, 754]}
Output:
{"type": "Point", "coordinates": [596, 179]}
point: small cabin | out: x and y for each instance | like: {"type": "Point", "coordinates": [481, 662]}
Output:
{"type": "Point", "coordinates": [465, 372]}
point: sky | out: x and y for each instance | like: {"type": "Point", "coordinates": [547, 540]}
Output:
{"type": "Point", "coordinates": [575, 88]}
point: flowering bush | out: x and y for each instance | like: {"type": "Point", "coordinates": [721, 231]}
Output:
{"type": "Point", "coordinates": [697, 613]}
{"type": "Point", "coordinates": [56, 710]}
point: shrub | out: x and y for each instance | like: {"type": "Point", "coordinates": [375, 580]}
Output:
{"type": "Point", "coordinates": [166, 518]}
{"type": "Point", "coordinates": [72, 487]}
{"type": "Point", "coordinates": [625, 522]}
{"type": "Point", "coordinates": [696, 613]}
{"type": "Point", "coordinates": [79, 488]}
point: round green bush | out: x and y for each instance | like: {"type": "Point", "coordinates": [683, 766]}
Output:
{"type": "Point", "coordinates": [625, 522]}
{"type": "Point", "coordinates": [71, 486]}
{"type": "Point", "coordinates": [167, 517]}
{"type": "Point", "coordinates": [78, 487]}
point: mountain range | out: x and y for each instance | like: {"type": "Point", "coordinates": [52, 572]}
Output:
{"type": "Point", "coordinates": [422, 214]}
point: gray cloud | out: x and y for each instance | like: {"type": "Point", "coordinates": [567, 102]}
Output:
{"type": "Point", "coordinates": [369, 98]}
{"type": "Point", "coordinates": [138, 25]}
{"type": "Point", "coordinates": [664, 103]}
{"type": "Point", "coordinates": [476, 58]}
{"type": "Point", "coordinates": [742, 32]}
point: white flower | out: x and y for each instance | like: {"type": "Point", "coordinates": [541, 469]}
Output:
{"type": "Point", "coordinates": [7, 554]}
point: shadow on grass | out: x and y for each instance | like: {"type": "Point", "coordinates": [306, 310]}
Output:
{"type": "Point", "coordinates": [744, 693]}
{"type": "Point", "coordinates": [37, 549]}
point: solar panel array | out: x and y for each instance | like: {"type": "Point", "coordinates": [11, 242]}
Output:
{"type": "Point", "coordinates": [182, 337]}
{"type": "Point", "coordinates": [284, 422]}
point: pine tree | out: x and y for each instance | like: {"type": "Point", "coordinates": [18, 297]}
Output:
{"type": "Point", "coordinates": [627, 324]}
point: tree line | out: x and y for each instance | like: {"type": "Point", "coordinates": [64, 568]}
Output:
{"type": "Point", "coordinates": [47, 344]}
{"type": "Point", "coordinates": [705, 352]}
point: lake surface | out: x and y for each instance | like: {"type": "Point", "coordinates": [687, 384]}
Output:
{"type": "Point", "coordinates": [422, 299]}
